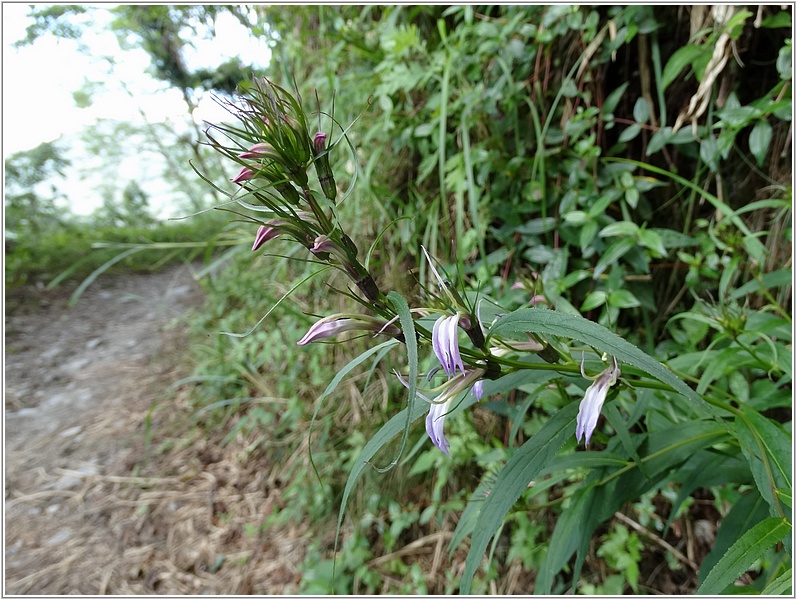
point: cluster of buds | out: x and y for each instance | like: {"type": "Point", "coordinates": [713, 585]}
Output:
{"type": "Point", "coordinates": [274, 149]}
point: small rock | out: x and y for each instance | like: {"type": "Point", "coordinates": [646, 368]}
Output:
{"type": "Point", "coordinates": [91, 344]}
{"type": "Point", "coordinates": [59, 538]}
{"type": "Point", "coordinates": [71, 431]}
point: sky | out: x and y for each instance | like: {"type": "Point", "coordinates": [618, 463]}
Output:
{"type": "Point", "coordinates": [39, 81]}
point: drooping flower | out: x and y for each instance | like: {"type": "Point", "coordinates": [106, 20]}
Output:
{"type": "Point", "coordinates": [446, 345]}
{"type": "Point", "coordinates": [335, 324]}
{"type": "Point", "coordinates": [590, 408]}
{"type": "Point", "coordinates": [441, 406]}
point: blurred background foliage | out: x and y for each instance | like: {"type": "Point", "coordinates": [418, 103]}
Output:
{"type": "Point", "coordinates": [630, 164]}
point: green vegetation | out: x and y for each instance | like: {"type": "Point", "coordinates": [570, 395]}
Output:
{"type": "Point", "coordinates": [627, 167]}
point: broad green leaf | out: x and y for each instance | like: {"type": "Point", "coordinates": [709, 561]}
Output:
{"type": "Point", "coordinates": [760, 137]}
{"type": "Point", "coordinates": [709, 152]}
{"type": "Point", "coordinates": [652, 241]}
{"type": "Point", "coordinates": [623, 299]}
{"type": "Point", "coordinates": [524, 466]}
{"type": "Point", "coordinates": [620, 228]}
{"type": "Point", "coordinates": [629, 133]}
{"type": "Point", "coordinates": [594, 300]}
{"type": "Point", "coordinates": [641, 110]}
{"type": "Point", "coordinates": [613, 253]}
{"type": "Point", "coordinates": [613, 99]}
{"type": "Point", "coordinates": [679, 60]}
{"type": "Point", "coordinates": [781, 19]}
{"type": "Point", "coordinates": [767, 447]}
{"type": "Point", "coordinates": [549, 322]}
{"type": "Point", "coordinates": [751, 546]}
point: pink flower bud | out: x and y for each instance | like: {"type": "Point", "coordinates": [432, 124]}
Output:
{"type": "Point", "coordinates": [243, 175]}
{"type": "Point", "coordinates": [262, 150]}
{"type": "Point", "coordinates": [319, 142]}
{"type": "Point", "coordinates": [264, 234]}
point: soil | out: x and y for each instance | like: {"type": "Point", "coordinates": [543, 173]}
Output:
{"type": "Point", "coordinates": [108, 489]}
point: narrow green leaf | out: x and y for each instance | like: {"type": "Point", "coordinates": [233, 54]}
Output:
{"type": "Point", "coordinates": [549, 322]}
{"type": "Point", "coordinates": [524, 465]}
{"type": "Point", "coordinates": [780, 585]}
{"type": "Point", "coordinates": [743, 553]}
{"type": "Point", "coordinates": [748, 510]}
{"type": "Point", "coordinates": [408, 329]}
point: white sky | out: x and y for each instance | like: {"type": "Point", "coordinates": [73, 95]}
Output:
{"type": "Point", "coordinates": [39, 79]}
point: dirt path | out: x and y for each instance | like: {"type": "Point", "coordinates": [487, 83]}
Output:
{"type": "Point", "coordinates": [91, 506]}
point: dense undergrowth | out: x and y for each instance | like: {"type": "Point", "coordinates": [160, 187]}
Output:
{"type": "Point", "coordinates": [631, 165]}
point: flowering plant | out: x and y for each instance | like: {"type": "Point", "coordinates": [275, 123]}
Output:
{"type": "Point", "coordinates": [479, 348]}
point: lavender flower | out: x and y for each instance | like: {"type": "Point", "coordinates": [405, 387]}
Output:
{"type": "Point", "coordinates": [440, 406]}
{"type": "Point", "coordinates": [446, 345]}
{"type": "Point", "coordinates": [590, 407]}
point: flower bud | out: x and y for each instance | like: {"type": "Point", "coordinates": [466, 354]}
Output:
{"type": "Point", "coordinates": [319, 142]}
{"type": "Point", "coordinates": [261, 150]}
{"type": "Point", "coordinates": [264, 234]}
{"type": "Point", "coordinates": [243, 175]}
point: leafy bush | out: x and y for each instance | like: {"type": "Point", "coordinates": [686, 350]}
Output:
{"type": "Point", "coordinates": [624, 166]}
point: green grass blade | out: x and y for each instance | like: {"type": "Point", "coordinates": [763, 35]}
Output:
{"type": "Point", "coordinates": [99, 271]}
{"type": "Point", "coordinates": [301, 282]}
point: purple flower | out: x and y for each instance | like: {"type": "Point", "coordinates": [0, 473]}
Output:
{"type": "Point", "coordinates": [264, 234]}
{"type": "Point", "coordinates": [446, 345]}
{"type": "Point", "coordinates": [440, 406]}
{"type": "Point", "coordinates": [434, 425]}
{"type": "Point", "coordinates": [335, 324]}
{"type": "Point", "coordinates": [323, 244]}
{"type": "Point", "coordinates": [590, 408]}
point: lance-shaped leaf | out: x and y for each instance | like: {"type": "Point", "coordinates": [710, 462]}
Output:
{"type": "Point", "coordinates": [549, 322]}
